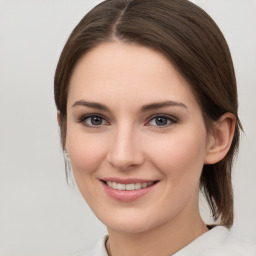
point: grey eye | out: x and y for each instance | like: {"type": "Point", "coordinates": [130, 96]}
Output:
{"type": "Point", "coordinates": [162, 121]}
{"type": "Point", "coordinates": [94, 120]}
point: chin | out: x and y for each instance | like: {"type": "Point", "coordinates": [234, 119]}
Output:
{"type": "Point", "coordinates": [129, 228]}
{"type": "Point", "coordinates": [130, 224]}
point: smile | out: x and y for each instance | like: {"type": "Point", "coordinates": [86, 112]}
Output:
{"type": "Point", "coordinates": [127, 190]}
{"type": "Point", "coordinates": [132, 186]}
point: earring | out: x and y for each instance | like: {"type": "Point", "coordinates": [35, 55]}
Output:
{"type": "Point", "coordinates": [66, 155]}
{"type": "Point", "coordinates": [67, 161]}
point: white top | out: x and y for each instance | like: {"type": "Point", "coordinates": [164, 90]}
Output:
{"type": "Point", "coordinates": [218, 241]}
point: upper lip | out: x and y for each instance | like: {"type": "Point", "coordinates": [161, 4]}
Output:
{"type": "Point", "coordinates": [128, 181]}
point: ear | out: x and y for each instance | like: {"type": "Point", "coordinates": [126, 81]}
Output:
{"type": "Point", "coordinates": [221, 138]}
{"type": "Point", "coordinates": [59, 118]}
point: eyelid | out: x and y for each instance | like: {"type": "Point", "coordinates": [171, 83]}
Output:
{"type": "Point", "coordinates": [173, 120]}
{"type": "Point", "coordinates": [84, 117]}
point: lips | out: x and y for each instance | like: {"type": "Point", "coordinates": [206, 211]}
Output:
{"type": "Point", "coordinates": [127, 190]}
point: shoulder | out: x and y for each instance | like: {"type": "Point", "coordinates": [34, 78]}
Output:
{"type": "Point", "coordinates": [229, 245]}
{"type": "Point", "coordinates": [233, 246]}
{"type": "Point", "coordinates": [218, 241]}
{"type": "Point", "coordinates": [95, 249]}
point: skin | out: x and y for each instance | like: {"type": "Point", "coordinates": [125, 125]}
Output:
{"type": "Point", "coordinates": [129, 143]}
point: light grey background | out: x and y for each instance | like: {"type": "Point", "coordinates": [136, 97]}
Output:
{"type": "Point", "coordinates": [39, 214]}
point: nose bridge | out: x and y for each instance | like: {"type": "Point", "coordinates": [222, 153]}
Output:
{"type": "Point", "coordinates": [124, 151]}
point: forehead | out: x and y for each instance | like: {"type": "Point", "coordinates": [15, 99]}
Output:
{"type": "Point", "coordinates": [121, 71]}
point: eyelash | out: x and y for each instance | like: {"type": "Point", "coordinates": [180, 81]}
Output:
{"type": "Point", "coordinates": [83, 120]}
{"type": "Point", "coordinates": [170, 119]}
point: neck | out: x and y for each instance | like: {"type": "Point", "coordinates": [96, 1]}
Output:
{"type": "Point", "coordinates": [164, 240]}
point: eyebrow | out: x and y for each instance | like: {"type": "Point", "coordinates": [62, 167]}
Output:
{"type": "Point", "coordinates": [91, 105]}
{"type": "Point", "coordinates": [144, 108]}
{"type": "Point", "coordinates": [163, 104]}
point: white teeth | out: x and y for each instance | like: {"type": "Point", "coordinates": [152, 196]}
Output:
{"type": "Point", "coordinates": [132, 186]}
{"type": "Point", "coordinates": [114, 185]}
{"type": "Point", "coordinates": [144, 185]}
{"type": "Point", "coordinates": [120, 186]}
{"type": "Point", "coordinates": [129, 186]}
{"type": "Point", "coordinates": [137, 185]}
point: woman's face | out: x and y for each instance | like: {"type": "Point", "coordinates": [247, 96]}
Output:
{"type": "Point", "coordinates": [136, 138]}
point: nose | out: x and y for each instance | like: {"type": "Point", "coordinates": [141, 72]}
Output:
{"type": "Point", "coordinates": [125, 151]}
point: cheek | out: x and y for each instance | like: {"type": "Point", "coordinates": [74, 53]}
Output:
{"type": "Point", "coordinates": [86, 152]}
{"type": "Point", "coordinates": [180, 156]}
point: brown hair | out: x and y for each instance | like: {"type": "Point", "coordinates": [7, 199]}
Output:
{"type": "Point", "coordinates": [192, 41]}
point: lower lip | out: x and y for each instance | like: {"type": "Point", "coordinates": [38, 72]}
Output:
{"type": "Point", "coordinates": [127, 195]}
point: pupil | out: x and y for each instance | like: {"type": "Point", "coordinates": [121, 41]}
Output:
{"type": "Point", "coordinates": [160, 121]}
{"type": "Point", "coordinates": [96, 120]}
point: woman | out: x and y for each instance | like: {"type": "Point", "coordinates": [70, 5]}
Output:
{"type": "Point", "coordinates": [147, 107]}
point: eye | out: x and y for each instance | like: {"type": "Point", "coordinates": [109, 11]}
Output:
{"type": "Point", "coordinates": [93, 120]}
{"type": "Point", "coordinates": [162, 120]}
